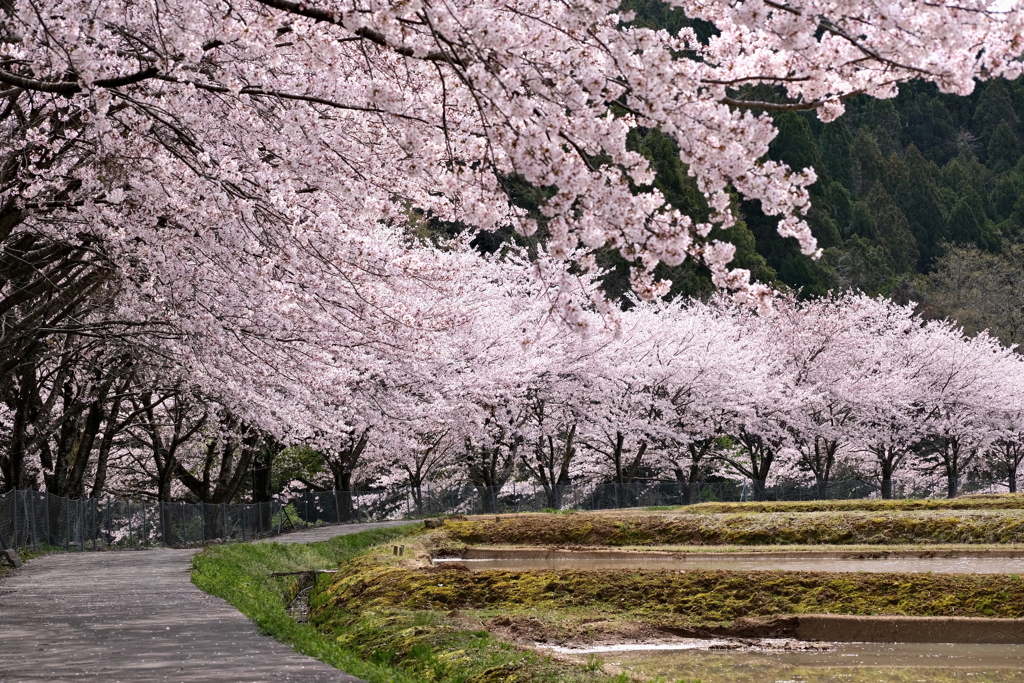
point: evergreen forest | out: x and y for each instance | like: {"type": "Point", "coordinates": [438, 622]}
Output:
{"type": "Point", "coordinates": [919, 198]}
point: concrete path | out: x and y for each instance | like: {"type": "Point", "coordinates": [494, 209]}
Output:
{"type": "Point", "coordinates": [134, 616]}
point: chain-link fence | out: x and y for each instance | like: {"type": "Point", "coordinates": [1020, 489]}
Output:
{"type": "Point", "coordinates": [431, 501]}
{"type": "Point", "coordinates": [530, 497]}
{"type": "Point", "coordinates": [39, 520]}
{"type": "Point", "coordinates": [36, 520]}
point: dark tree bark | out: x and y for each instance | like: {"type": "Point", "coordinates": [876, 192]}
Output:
{"type": "Point", "coordinates": [760, 456]}
{"type": "Point", "coordinates": [422, 465]}
{"type": "Point", "coordinates": [550, 464]}
{"type": "Point", "coordinates": [689, 477]}
{"type": "Point", "coordinates": [1006, 456]}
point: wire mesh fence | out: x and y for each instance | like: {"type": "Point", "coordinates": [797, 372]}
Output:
{"type": "Point", "coordinates": [39, 520]}
{"type": "Point", "coordinates": [530, 497]}
{"type": "Point", "coordinates": [432, 501]}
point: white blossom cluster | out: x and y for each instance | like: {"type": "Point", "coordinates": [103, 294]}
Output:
{"type": "Point", "coordinates": [252, 173]}
{"type": "Point", "coordinates": [259, 134]}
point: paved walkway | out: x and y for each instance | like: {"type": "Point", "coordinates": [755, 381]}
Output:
{"type": "Point", "coordinates": [134, 616]}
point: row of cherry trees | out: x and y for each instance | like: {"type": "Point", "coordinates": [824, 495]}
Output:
{"type": "Point", "coordinates": [470, 381]}
{"type": "Point", "coordinates": [698, 388]}
{"type": "Point", "coordinates": [208, 242]}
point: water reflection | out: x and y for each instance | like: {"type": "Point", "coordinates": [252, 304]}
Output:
{"type": "Point", "coordinates": [792, 661]}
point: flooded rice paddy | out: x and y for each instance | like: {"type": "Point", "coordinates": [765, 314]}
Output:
{"type": "Point", "coordinates": [788, 661]}
{"type": "Point", "coordinates": [732, 660]}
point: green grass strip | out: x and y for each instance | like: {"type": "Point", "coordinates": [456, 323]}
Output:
{"type": "Point", "coordinates": [981, 502]}
{"type": "Point", "coordinates": [240, 573]}
{"type": "Point", "coordinates": [379, 646]}
{"type": "Point", "coordinates": [754, 528]}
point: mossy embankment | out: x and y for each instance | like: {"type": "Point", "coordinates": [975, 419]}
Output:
{"type": "Point", "coordinates": [242, 574]}
{"type": "Point", "coordinates": [379, 645]}
{"type": "Point", "coordinates": [1006, 501]}
{"type": "Point", "coordinates": [781, 528]}
{"type": "Point", "coordinates": [390, 618]}
{"type": "Point", "coordinates": [672, 599]}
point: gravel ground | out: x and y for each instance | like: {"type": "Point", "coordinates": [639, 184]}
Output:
{"type": "Point", "coordinates": [134, 616]}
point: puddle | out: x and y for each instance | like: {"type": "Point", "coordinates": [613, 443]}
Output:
{"type": "Point", "coordinates": [746, 562]}
{"type": "Point", "coordinates": [786, 661]}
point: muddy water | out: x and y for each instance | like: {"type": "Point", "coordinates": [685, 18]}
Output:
{"type": "Point", "coordinates": [792, 661]}
{"type": "Point", "coordinates": [746, 562]}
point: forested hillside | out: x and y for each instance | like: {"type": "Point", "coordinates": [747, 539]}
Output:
{"type": "Point", "coordinates": [920, 198]}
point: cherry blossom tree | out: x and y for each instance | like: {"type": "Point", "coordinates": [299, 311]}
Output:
{"type": "Point", "coordinates": [241, 180]}
{"type": "Point", "coordinates": [837, 349]}
{"type": "Point", "coordinates": [255, 137]}
{"type": "Point", "coordinates": [1006, 454]}
{"type": "Point", "coordinates": [691, 372]}
{"type": "Point", "coordinates": [960, 393]}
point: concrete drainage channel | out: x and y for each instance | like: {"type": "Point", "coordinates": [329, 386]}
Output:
{"type": "Point", "coordinates": [897, 629]}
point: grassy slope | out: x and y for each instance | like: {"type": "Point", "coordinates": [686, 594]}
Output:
{"type": "Point", "coordinates": [240, 573]}
{"type": "Point", "coordinates": [980, 502]}
{"type": "Point", "coordinates": [789, 528]}
{"type": "Point", "coordinates": [380, 646]}
{"type": "Point", "coordinates": [26, 555]}
{"type": "Point", "coordinates": [383, 620]}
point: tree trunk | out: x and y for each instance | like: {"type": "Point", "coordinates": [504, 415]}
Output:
{"type": "Point", "coordinates": [886, 481]}
{"type": "Point", "coordinates": [262, 466]}
{"type": "Point", "coordinates": [952, 483]}
{"type": "Point", "coordinates": [417, 497]}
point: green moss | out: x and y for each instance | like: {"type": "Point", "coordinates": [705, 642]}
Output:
{"type": "Point", "coordinates": [431, 646]}
{"type": "Point", "coordinates": [380, 644]}
{"type": "Point", "coordinates": [980, 502]}
{"type": "Point", "coordinates": [788, 528]}
{"type": "Point", "coordinates": [674, 599]}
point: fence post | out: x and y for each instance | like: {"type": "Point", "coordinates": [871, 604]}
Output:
{"type": "Point", "coordinates": [46, 514]}
{"type": "Point", "coordinates": [337, 511]}
{"type": "Point", "coordinates": [130, 544]}
{"type": "Point", "coordinates": [162, 505]}
{"type": "Point", "coordinates": [35, 530]}
{"type": "Point", "coordinates": [67, 524]}
{"type": "Point", "coordinates": [184, 525]}
{"type": "Point", "coordinates": [110, 522]}
{"type": "Point", "coordinates": [202, 521]}
{"type": "Point", "coordinates": [14, 535]}
{"type": "Point", "coordinates": [224, 520]}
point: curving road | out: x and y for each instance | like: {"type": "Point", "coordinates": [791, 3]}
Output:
{"type": "Point", "coordinates": [134, 616]}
